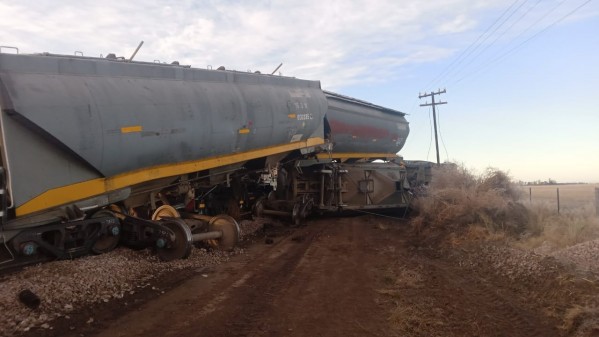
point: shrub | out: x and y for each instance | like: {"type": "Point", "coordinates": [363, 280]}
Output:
{"type": "Point", "coordinates": [457, 199]}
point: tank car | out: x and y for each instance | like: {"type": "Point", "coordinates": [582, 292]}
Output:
{"type": "Point", "coordinates": [360, 170]}
{"type": "Point", "coordinates": [101, 151]}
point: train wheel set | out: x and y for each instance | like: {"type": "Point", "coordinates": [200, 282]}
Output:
{"type": "Point", "coordinates": [166, 156]}
{"type": "Point", "coordinates": [170, 237]}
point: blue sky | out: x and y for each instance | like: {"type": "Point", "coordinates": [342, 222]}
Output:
{"type": "Point", "coordinates": [533, 113]}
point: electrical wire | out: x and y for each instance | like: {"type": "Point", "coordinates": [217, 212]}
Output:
{"type": "Point", "coordinates": [467, 51]}
{"type": "Point", "coordinates": [514, 39]}
{"type": "Point", "coordinates": [441, 133]}
{"type": "Point", "coordinates": [430, 123]}
{"type": "Point", "coordinates": [502, 56]}
{"type": "Point", "coordinates": [459, 68]}
{"type": "Point", "coordinates": [492, 43]}
{"type": "Point", "coordinates": [540, 19]}
{"type": "Point", "coordinates": [383, 215]}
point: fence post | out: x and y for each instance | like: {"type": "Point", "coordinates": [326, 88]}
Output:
{"type": "Point", "coordinates": [530, 195]}
{"type": "Point", "coordinates": [597, 201]}
{"type": "Point", "coordinates": [558, 200]}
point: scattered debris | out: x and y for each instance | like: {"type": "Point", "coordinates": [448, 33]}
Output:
{"type": "Point", "coordinates": [31, 300]}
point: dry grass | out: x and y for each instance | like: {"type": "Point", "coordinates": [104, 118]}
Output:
{"type": "Point", "coordinates": [462, 205]}
{"type": "Point", "coordinates": [458, 199]}
{"type": "Point", "coordinates": [571, 195]}
{"type": "Point", "coordinates": [557, 231]}
{"type": "Point", "coordinates": [421, 318]}
{"type": "Point", "coordinates": [581, 321]}
{"type": "Point", "coordinates": [411, 318]}
{"type": "Point", "coordinates": [462, 208]}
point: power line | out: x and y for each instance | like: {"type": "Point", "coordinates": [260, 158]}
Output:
{"type": "Point", "coordinates": [502, 56]}
{"type": "Point", "coordinates": [514, 39]}
{"type": "Point", "coordinates": [501, 35]}
{"type": "Point", "coordinates": [467, 51]}
{"type": "Point", "coordinates": [441, 135]}
{"type": "Point", "coordinates": [539, 20]}
{"type": "Point", "coordinates": [458, 69]}
{"type": "Point", "coordinates": [430, 143]}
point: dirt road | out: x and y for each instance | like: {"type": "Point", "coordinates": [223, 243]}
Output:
{"type": "Point", "coordinates": [358, 276]}
{"type": "Point", "coordinates": [317, 281]}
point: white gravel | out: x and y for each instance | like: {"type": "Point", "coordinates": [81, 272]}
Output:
{"type": "Point", "coordinates": [584, 256]}
{"type": "Point", "coordinates": [518, 263]}
{"type": "Point", "coordinates": [64, 286]}
{"type": "Point", "coordinates": [508, 261]}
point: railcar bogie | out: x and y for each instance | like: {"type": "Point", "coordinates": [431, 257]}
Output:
{"type": "Point", "coordinates": [168, 156]}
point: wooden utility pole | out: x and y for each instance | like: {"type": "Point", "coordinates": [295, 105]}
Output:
{"type": "Point", "coordinates": [433, 104]}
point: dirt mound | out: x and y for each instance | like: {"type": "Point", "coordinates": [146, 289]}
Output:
{"type": "Point", "coordinates": [584, 256]}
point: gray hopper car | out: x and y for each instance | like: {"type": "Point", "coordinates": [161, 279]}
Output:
{"type": "Point", "coordinates": [97, 151]}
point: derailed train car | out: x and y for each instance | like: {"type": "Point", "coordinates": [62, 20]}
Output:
{"type": "Point", "coordinates": [97, 151]}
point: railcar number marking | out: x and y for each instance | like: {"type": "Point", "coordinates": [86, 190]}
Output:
{"type": "Point", "coordinates": [300, 105]}
{"type": "Point", "coordinates": [304, 117]}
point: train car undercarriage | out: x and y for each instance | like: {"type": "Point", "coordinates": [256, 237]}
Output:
{"type": "Point", "coordinates": [204, 208]}
{"type": "Point", "coordinates": [165, 156]}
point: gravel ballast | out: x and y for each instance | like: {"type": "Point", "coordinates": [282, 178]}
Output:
{"type": "Point", "coordinates": [64, 286]}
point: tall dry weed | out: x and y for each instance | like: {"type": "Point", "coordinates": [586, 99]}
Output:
{"type": "Point", "coordinates": [458, 199]}
{"type": "Point", "coordinates": [554, 231]}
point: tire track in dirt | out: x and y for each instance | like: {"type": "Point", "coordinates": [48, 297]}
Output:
{"type": "Point", "coordinates": [240, 303]}
{"type": "Point", "coordinates": [320, 287]}
{"type": "Point", "coordinates": [332, 291]}
{"type": "Point", "coordinates": [318, 281]}
{"type": "Point", "coordinates": [446, 300]}
{"type": "Point", "coordinates": [358, 276]}
{"type": "Point", "coordinates": [499, 315]}
{"type": "Point", "coordinates": [247, 306]}
{"type": "Point", "coordinates": [225, 303]}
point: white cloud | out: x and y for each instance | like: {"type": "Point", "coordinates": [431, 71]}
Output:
{"type": "Point", "coordinates": [338, 42]}
{"type": "Point", "coordinates": [459, 24]}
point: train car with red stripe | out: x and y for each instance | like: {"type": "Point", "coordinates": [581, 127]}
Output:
{"type": "Point", "coordinates": [101, 151]}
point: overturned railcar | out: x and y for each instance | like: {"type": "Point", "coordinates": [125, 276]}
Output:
{"type": "Point", "coordinates": [359, 171]}
{"type": "Point", "coordinates": [101, 151]}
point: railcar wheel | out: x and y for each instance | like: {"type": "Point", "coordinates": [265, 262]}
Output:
{"type": "Point", "coordinates": [165, 211]}
{"type": "Point", "coordinates": [107, 241]}
{"type": "Point", "coordinates": [296, 216]}
{"type": "Point", "coordinates": [230, 229]}
{"type": "Point", "coordinates": [178, 247]}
